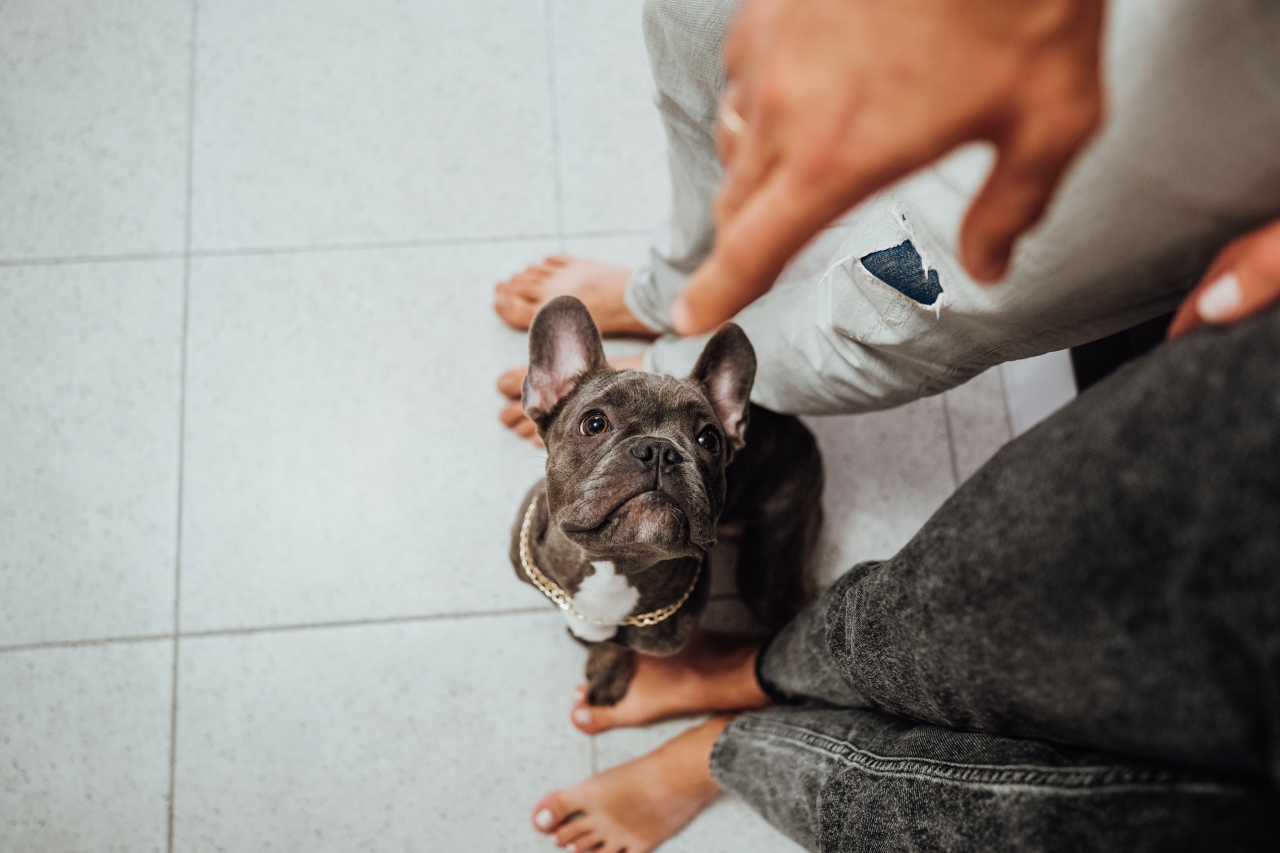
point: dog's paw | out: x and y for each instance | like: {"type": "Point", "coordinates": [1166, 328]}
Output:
{"type": "Point", "coordinates": [609, 693]}
{"type": "Point", "coordinates": [609, 670]}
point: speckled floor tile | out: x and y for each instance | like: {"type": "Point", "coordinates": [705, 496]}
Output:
{"type": "Point", "coordinates": [84, 748]}
{"type": "Point", "coordinates": [612, 147]}
{"type": "Point", "coordinates": [90, 412]}
{"type": "Point", "coordinates": [93, 127]}
{"type": "Point", "coordinates": [344, 456]}
{"type": "Point", "coordinates": [886, 473]}
{"type": "Point", "coordinates": [437, 735]}
{"type": "Point", "coordinates": [978, 421]}
{"type": "Point", "coordinates": [326, 122]}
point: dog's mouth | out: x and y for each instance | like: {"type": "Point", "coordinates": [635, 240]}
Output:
{"type": "Point", "coordinates": [643, 500]}
{"type": "Point", "coordinates": [652, 513]}
{"type": "Point", "coordinates": [651, 499]}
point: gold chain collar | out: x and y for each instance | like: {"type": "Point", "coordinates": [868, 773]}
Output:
{"type": "Point", "coordinates": [564, 601]}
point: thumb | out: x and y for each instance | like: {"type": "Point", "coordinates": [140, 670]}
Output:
{"type": "Point", "coordinates": [1248, 282]}
{"type": "Point", "coordinates": [1225, 300]}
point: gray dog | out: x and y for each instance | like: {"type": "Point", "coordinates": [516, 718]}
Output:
{"type": "Point", "coordinates": [638, 480]}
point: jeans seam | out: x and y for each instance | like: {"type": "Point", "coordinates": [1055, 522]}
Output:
{"type": "Point", "coordinates": [1077, 778]}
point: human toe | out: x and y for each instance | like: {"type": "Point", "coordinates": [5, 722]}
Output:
{"type": "Point", "coordinates": [578, 833]}
{"type": "Point", "coordinates": [589, 719]}
{"type": "Point", "coordinates": [530, 281]}
{"type": "Point", "coordinates": [511, 383]}
{"type": "Point", "coordinates": [514, 419]}
{"type": "Point", "coordinates": [551, 812]}
{"type": "Point", "coordinates": [512, 415]}
{"type": "Point", "coordinates": [514, 311]}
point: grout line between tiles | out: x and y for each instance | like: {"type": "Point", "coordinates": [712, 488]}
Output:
{"type": "Point", "coordinates": [92, 259]}
{"type": "Point", "coordinates": [182, 422]}
{"type": "Point", "coordinates": [75, 644]}
{"type": "Point", "coordinates": [428, 243]}
{"type": "Point", "coordinates": [355, 623]}
{"type": "Point", "coordinates": [264, 629]}
{"type": "Point", "coordinates": [951, 442]}
{"type": "Point", "coordinates": [553, 87]}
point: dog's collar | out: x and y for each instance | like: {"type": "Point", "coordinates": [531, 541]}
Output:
{"type": "Point", "coordinates": [564, 601]}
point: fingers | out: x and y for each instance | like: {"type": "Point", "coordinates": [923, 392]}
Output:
{"type": "Point", "coordinates": [1014, 197]}
{"type": "Point", "coordinates": [754, 23]}
{"type": "Point", "coordinates": [1244, 280]}
{"type": "Point", "coordinates": [751, 249]}
{"type": "Point", "coordinates": [1227, 299]}
{"type": "Point", "coordinates": [731, 127]}
{"type": "Point", "coordinates": [748, 154]}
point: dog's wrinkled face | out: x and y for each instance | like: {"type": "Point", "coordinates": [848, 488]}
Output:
{"type": "Point", "coordinates": [635, 465]}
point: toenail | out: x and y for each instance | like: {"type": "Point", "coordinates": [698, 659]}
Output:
{"type": "Point", "coordinates": [544, 818]}
{"type": "Point", "coordinates": [571, 848]}
{"type": "Point", "coordinates": [582, 715]}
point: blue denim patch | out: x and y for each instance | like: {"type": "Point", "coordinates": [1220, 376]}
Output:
{"type": "Point", "coordinates": [902, 269]}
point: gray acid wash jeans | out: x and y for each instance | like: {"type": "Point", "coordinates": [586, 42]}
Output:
{"type": "Point", "coordinates": [1079, 651]}
{"type": "Point", "coordinates": [1187, 159]}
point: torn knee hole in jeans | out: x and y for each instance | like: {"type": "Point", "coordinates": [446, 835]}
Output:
{"type": "Point", "coordinates": [902, 268]}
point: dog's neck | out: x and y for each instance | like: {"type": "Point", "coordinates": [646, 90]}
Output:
{"type": "Point", "coordinates": [604, 589]}
{"type": "Point", "coordinates": [568, 563]}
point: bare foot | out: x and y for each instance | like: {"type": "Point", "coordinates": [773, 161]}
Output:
{"type": "Point", "coordinates": [638, 805]}
{"type": "Point", "coordinates": [712, 673]}
{"type": "Point", "coordinates": [511, 383]}
{"type": "Point", "coordinates": [600, 287]}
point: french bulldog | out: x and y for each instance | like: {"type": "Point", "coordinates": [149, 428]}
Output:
{"type": "Point", "coordinates": [641, 471]}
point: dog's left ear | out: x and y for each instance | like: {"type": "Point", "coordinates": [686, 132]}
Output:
{"type": "Point", "coordinates": [564, 344]}
{"type": "Point", "coordinates": [727, 369]}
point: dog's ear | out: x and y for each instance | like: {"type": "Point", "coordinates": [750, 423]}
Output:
{"type": "Point", "coordinates": [564, 344]}
{"type": "Point", "coordinates": [727, 369]}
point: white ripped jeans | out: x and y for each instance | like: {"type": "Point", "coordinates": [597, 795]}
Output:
{"type": "Point", "coordinates": [1188, 158]}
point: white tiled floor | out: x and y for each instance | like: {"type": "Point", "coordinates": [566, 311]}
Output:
{"type": "Point", "coordinates": [254, 499]}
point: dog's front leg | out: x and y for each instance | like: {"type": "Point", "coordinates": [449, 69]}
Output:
{"type": "Point", "coordinates": [609, 670]}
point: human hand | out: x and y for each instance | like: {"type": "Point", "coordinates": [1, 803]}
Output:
{"type": "Point", "coordinates": [839, 98]}
{"type": "Point", "coordinates": [1243, 280]}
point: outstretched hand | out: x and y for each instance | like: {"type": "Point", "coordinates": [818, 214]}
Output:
{"type": "Point", "coordinates": [832, 100]}
{"type": "Point", "coordinates": [1243, 280]}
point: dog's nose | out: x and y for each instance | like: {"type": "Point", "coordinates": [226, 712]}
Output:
{"type": "Point", "coordinates": [657, 451]}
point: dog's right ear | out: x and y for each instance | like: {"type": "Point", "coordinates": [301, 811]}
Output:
{"type": "Point", "coordinates": [564, 344]}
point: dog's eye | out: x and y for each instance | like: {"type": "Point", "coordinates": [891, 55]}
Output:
{"type": "Point", "coordinates": [710, 440]}
{"type": "Point", "coordinates": [594, 424]}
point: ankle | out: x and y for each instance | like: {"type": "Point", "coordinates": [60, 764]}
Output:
{"type": "Point", "coordinates": [728, 681]}
{"type": "Point", "coordinates": [686, 761]}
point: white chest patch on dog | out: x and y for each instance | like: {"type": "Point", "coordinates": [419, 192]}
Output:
{"type": "Point", "coordinates": [605, 599]}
